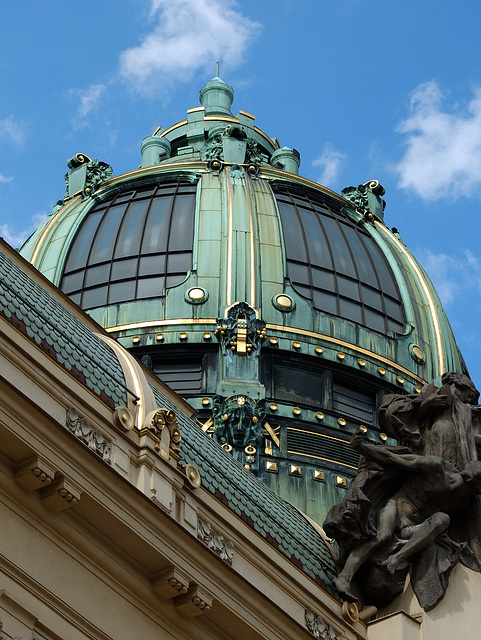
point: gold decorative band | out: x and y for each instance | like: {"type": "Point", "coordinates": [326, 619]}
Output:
{"type": "Point", "coordinates": [273, 327]}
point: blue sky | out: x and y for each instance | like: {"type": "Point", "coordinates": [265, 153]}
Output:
{"type": "Point", "coordinates": [362, 88]}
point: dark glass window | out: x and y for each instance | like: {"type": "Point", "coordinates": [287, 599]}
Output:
{"type": "Point", "coordinates": [334, 263]}
{"type": "Point", "coordinates": [187, 375]}
{"type": "Point", "coordinates": [132, 247]}
{"type": "Point", "coordinates": [297, 385]}
{"type": "Point", "coordinates": [352, 403]}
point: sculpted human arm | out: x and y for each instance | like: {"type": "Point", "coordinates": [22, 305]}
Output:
{"type": "Point", "coordinates": [384, 456]}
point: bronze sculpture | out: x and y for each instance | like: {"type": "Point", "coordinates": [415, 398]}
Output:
{"type": "Point", "coordinates": [414, 506]}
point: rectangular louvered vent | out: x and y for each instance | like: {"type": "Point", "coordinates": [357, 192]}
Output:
{"type": "Point", "coordinates": [183, 377]}
{"type": "Point", "coordinates": [321, 446]}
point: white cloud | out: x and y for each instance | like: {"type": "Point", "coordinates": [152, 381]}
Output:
{"type": "Point", "coordinates": [453, 276]}
{"type": "Point", "coordinates": [330, 161]}
{"type": "Point", "coordinates": [188, 35]}
{"type": "Point", "coordinates": [5, 178]}
{"type": "Point", "coordinates": [13, 237]}
{"type": "Point", "coordinates": [443, 154]}
{"type": "Point", "coordinates": [16, 238]}
{"type": "Point", "coordinates": [88, 101]}
{"type": "Point", "coordinates": [12, 130]}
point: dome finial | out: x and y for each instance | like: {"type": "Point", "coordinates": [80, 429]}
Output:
{"type": "Point", "coordinates": [216, 96]}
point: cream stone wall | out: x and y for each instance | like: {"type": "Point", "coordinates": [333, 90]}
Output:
{"type": "Point", "coordinates": [104, 551]}
{"type": "Point", "coordinates": [456, 616]}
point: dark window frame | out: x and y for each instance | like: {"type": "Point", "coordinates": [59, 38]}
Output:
{"type": "Point", "coordinates": [369, 273]}
{"type": "Point", "coordinates": [177, 193]}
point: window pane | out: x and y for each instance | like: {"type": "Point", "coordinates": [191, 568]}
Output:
{"type": "Point", "coordinates": [128, 243]}
{"type": "Point", "coordinates": [182, 226]}
{"type": "Point", "coordinates": [152, 265]}
{"type": "Point", "coordinates": [97, 275]}
{"type": "Point", "coordinates": [124, 269]}
{"type": "Point", "coordinates": [94, 297]}
{"type": "Point", "coordinates": [318, 249]}
{"type": "Point", "coordinates": [150, 288]}
{"type": "Point", "coordinates": [72, 282]}
{"type": "Point", "coordinates": [122, 291]}
{"type": "Point", "coordinates": [103, 246]}
{"type": "Point", "coordinates": [340, 251]}
{"type": "Point", "coordinates": [293, 237]}
{"type": "Point", "coordinates": [157, 227]}
{"type": "Point", "coordinates": [79, 252]}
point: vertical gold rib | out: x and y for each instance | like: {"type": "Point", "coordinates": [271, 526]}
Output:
{"type": "Point", "coordinates": [432, 308]}
{"type": "Point", "coordinates": [252, 246]}
{"type": "Point", "coordinates": [229, 238]}
{"type": "Point", "coordinates": [48, 227]}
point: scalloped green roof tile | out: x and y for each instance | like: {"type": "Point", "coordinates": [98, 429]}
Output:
{"type": "Point", "coordinates": [34, 312]}
{"type": "Point", "coordinates": [274, 519]}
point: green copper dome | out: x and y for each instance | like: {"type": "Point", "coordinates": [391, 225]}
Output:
{"type": "Point", "coordinates": [281, 310]}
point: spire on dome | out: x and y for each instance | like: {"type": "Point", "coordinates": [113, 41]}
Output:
{"type": "Point", "coordinates": [217, 96]}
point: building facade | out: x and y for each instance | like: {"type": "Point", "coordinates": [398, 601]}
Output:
{"type": "Point", "coordinates": [184, 366]}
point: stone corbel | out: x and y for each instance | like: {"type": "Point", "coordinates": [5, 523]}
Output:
{"type": "Point", "coordinates": [170, 582]}
{"type": "Point", "coordinates": [60, 494]}
{"type": "Point", "coordinates": [193, 603]}
{"type": "Point", "coordinates": [34, 474]}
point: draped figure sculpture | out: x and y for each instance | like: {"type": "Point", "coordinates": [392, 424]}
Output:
{"type": "Point", "coordinates": [413, 507]}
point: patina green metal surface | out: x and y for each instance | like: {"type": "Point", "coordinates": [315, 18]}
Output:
{"type": "Point", "coordinates": [240, 258]}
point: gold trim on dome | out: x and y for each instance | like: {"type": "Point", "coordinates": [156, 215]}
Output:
{"type": "Point", "coordinates": [174, 126]}
{"type": "Point", "coordinates": [229, 239]}
{"type": "Point", "coordinates": [52, 222]}
{"type": "Point", "coordinates": [343, 343]}
{"type": "Point", "coordinates": [196, 165]}
{"type": "Point", "coordinates": [252, 248]}
{"type": "Point", "coordinates": [320, 435]}
{"type": "Point", "coordinates": [244, 113]}
{"type": "Point", "coordinates": [195, 109]}
{"type": "Point", "coordinates": [264, 135]}
{"type": "Point", "coordinates": [272, 327]}
{"type": "Point", "coordinates": [310, 455]}
{"type": "Point", "coordinates": [432, 308]}
{"type": "Point", "coordinates": [160, 323]}
{"type": "Point", "coordinates": [266, 171]}
{"type": "Point", "coordinates": [222, 119]}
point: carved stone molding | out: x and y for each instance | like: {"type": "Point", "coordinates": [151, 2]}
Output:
{"type": "Point", "coordinates": [318, 628]}
{"type": "Point", "coordinates": [93, 438]}
{"type": "Point", "coordinates": [215, 541]}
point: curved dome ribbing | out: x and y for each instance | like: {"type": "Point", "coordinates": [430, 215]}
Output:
{"type": "Point", "coordinates": [228, 274]}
